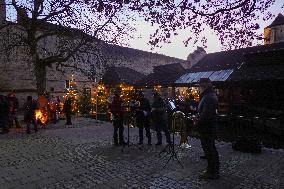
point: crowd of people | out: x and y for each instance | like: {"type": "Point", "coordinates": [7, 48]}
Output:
{"type": "Point", "coordinates": [48, 107]}
{"type": "Point", "coordinates": [157, 113]}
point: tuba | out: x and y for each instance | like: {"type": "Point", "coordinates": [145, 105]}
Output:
{"type": "Point", "coordinates": [179, 125]}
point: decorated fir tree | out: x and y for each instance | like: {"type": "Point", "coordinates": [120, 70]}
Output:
{"type": "Point", "coordinates": [85, 101]}
{"type": "Point", "coordinates": [102, 98]}
{"type": "Point", "coordinates": [72, 92]}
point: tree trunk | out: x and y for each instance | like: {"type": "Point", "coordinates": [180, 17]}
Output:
{"type": "Point", "coordinates": [40, 73]}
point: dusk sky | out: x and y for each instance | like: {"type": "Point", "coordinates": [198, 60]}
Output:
{"type": "Point", "coordinates": [178, 49]}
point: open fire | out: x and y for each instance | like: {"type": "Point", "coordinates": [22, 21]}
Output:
{"type": "Point", "coordinates": [41, 116]}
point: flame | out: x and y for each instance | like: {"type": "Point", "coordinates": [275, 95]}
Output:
{"type": "Point", "coordinates": [40, 116]}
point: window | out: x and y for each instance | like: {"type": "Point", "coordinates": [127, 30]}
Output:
{"type": "Point", "coordinates": [67, 84]}
{"type": "Point", "coordinates": [52, 89]}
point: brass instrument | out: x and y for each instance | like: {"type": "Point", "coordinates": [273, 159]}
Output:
{"type": "Point", "coordinates": [178, 125]}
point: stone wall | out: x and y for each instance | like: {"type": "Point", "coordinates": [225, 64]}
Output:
{"type": "Point", "coordinates": [274, 34]}
{"type": "Point", "coordinates": [16, 68]}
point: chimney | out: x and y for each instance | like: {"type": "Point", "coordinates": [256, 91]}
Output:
{"type": "Point", "coordinates": [2, 11]}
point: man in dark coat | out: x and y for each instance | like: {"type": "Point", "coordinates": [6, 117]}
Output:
{"type": "Point", "coordinates": [13, 108]}
{"type": "Point", "coordinates": [29, 114]}
{"type": "Point", "coordinates": [207, 126]}
{"type": "Point", "coordinates": [159, 116]}
{"type": "Point", "coordinates": [143, 110]}
{"type": "Point", "coordinates": [117, 110]}
{"type": "Point", "coordinates": [4, 112]}
{"type": "Point", "coordinates": [67, 108]}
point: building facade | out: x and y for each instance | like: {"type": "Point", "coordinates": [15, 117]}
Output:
{"type": "Point", "coordinates": [17, 71]}
{"type": "Point", "coordinates": [274, 33]}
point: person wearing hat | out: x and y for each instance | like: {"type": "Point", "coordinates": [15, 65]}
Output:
{"type": "Point", "coordinates": [142, 112]}
{"type": "Point", "coordinates": [159, 116]}
{"type": "Point", "coordinates": [207, 126]}
{"type": "Point", "coordinates": [117, 110]}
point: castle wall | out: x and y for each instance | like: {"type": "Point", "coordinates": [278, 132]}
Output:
{"type": "Point", "coordinates": [16, 68]}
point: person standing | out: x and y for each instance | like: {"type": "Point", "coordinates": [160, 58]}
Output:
{"type": "Point", "coordinates": [207, 126]}
{"type": "Point", "coordinates": [4, 113]}
{"type": "Point", "coordinates": [159, 116]}
{"type": "Point", "coordinates": [142, 113]}
{"type": "Point", "coordinates": [29, 114]}
{"type": "Point", "coordinates": [53, 108]}
{"type": "Point", "coordinates": [117, 110]}
{"type": "Point", "coordinates": [67, 109]}
{"type": "Point", "coordinates": [13, 108]}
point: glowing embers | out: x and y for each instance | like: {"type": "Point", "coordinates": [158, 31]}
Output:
{"type": "Point", "coordinates": [41, 116]}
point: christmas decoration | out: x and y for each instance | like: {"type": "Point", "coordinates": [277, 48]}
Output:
{"type": "Point", "coordinates": [73, 93]}
{"type": "Point", "coordinates": [127, 94]}
{"type": "Point", "coordinates": [85, 101]}
{"type": "Point", "coordinates": [102, 98]}
{"type": "Point", "coordinates": [183, 93]}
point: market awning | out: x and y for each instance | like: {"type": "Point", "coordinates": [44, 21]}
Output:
{"type": "Point", "coordinates": [193, 77]}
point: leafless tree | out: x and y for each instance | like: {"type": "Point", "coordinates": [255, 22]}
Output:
{"type": "Point", "coordinates": [234, 21]}
{"type": "Point", "coordinates": [61, 33]}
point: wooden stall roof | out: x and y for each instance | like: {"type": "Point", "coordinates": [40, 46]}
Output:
{"type": "Point", "coordinates": [252, 63]}
{"type": "Point", "coordinates": [164, 75]}
{"type": "Point", "coordinates": [264, 66]}
{"type": "Point", "coordinates": [117, 75]}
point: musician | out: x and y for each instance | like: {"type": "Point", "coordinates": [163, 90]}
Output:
{"type": "Point", "coordinates": [117, 110]}
{"type": "Point", "coordinates": [207, 126]}
{"type": "Point", "coordinates": [142, 113]}
{"type": "Point", "coordinates": [159, 116]}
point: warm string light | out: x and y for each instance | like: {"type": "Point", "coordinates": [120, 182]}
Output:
{"type": "Point", "coordinates": [158, 88]}
{"type": "Point", "coordinates": [185, 93]}
{"type": "Point", "coordinates": [102, 98]}
{"type": "Point", "coordinates": [127, 94]}
{"type": "Point", "coordinates": [72, 92]}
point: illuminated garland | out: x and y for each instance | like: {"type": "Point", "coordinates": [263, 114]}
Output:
{"type": "Point", "coordinates": [185, 93]}
{"type": "Point", "coordinates": [102, 98]}
{"type": "Point", "coordinates": [72, 92]}
{"type": "Point", "coordinates": [127, 94]}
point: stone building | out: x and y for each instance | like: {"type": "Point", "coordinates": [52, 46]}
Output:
{"type": "Point", "coordinates": [195, 57]}
{"type": "Point", "coordinates": [16, 70]}
{"type": "Point", "coordinates": [274, 33]}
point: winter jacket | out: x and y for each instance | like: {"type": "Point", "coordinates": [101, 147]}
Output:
{"type": "Point", "coordinates": [29, 108]}
{"type": "Point", "coordinates": [13, 104]}
{"type": "Point", "coordinates": [143, 107]}
{"type": "Point", "coordinates": [159, 110]}
{"type": "Point", "coordinates": [67, 107]}
{"type": "Point", "coordinates": [207, 110]}
{"type": "Point", "coordinates": [116, 107]}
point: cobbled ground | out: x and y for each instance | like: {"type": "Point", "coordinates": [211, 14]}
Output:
{"type": "Point", "coordinates": [82, 156]}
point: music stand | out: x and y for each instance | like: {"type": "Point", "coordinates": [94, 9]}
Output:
{"type": "Point", "coordinates": [170, 148]}
{"type": "Point", "coordinates": [128, 144]}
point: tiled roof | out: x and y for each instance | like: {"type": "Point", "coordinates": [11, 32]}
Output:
{"type": "Point", "coordinates": [163, 75]}
{"type": "Point", "coordinates": [231, 59]}
{"type": "Point", "coordinates": [260, 67]}
{"type": "Point", "coordinates": [258, 63]}
{"type": "Point", "coordinates": [117, 75]}
{"type": "Point", "coordinates": [279, 20]}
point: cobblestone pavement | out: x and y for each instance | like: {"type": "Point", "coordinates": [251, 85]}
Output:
{"type": "Point", "coordinates": [82, 156]}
